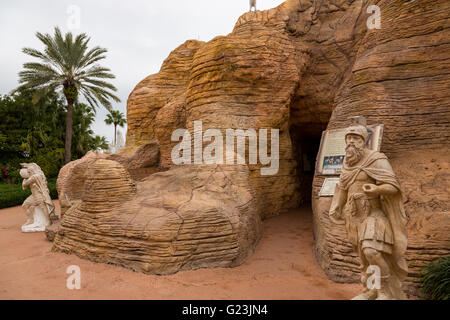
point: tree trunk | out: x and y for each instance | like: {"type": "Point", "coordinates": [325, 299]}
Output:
{"type": "Point", "coordinates": [115, 134]}
{"type": "Point", "coordinates": [69, 121]}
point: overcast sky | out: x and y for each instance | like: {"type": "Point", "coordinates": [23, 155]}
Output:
{"type": "Point", "coordinates": [139, 34]}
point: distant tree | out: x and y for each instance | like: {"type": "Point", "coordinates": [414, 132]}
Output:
{"type": "Point", "coordinates": [99, 143]}
{"type": "Point", "coordinates": [67, 65]}
{"type": "Point", "coordinates": [35, 132]}
{"type": "Point", "coordinates": [117, 118]}
{"type": "Point", "coordinates": [83, 136]}
{"type": "Point", "coordinates": [32, 132]}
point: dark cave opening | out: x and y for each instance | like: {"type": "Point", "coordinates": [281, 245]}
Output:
{"type": "Point", "coordinates": [305, 140]}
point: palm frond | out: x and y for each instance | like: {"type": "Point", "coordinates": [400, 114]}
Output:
{"type": "Point", "coordinates": [100, 83]}
{"type": "Point", "coordinates": [97, 72]}
{"type": "Point", "coordinates": [90, 99]}
{"type": "Point", "coordinates": [92, 56]}
{"type": "Point", "coordinates": [115, 117]}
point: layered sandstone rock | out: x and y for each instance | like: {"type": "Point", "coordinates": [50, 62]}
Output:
{"type": "Point", "coordinates": [71, 179]}
{"type": "Point", "coordinates": [186, 218]}
{"type": "Point", "coordinates": [155, 92]}
{"type": "Point", "coordinates": [302, 67]}
{"type": "Point", "coordinates": [242, 81]}
{"type": "Point", "coordinates": [399, 79]}
{"type": "Point", "coordinates": [140, 163]}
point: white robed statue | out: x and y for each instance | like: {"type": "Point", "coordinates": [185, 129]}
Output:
{"type": "Point", "coordinates": [38, 207]}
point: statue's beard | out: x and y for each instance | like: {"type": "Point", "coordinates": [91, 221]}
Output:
{"type": "Point", "coordinates": [353, 154]}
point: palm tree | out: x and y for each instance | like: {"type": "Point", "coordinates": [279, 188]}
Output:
{"type": "Point", "coordinates": [99, 143]}
{"type": "Point", "coordinates": [117, 118]}
{"type": "Point", "coordinates": [67, 64]}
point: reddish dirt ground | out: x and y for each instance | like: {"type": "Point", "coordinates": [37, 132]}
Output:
{"type": "Point", "coordinates": [282, 267]}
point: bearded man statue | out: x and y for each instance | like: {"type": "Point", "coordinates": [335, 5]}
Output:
{"type": "Point", "coordinates": [368, 201]}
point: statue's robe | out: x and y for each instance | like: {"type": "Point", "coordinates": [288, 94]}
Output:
{"type": "Point", "coordinates": [376, 166]}
{"type": "Point", "coordinates": [44, 194]}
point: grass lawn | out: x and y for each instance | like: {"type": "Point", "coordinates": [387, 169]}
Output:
{"type": "Point", "coordinates": [12, 194]}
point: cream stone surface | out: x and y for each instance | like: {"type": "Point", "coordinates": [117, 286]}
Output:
{"type": "Point", "coordinates": [38, 207]}
{"type": "Point", "coordinates": [368, 202]}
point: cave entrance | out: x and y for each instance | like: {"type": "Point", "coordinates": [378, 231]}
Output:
{"type": "Point", "coordinates": [305, 140]}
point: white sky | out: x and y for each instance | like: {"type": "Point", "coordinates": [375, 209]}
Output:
{"type": "Point", "coordinates": [139, 34]}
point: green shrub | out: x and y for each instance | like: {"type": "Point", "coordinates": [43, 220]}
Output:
{"type": "Point", "coordinates": [13, 195]}
{"type": "Point", "coordinates": [436, 280]}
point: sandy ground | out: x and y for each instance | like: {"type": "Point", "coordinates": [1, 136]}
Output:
{"type": "Point", "coordinates": [282, 267]}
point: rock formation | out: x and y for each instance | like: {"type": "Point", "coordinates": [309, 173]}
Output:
{"type": "Point", "coordinates": [302, 67]}
{"type": "Point", "coordinates": [185, 218]}
{"type": "Point", "coordinates": [399, 79]}
{"type": "Point", "coordinates": [71, 180]}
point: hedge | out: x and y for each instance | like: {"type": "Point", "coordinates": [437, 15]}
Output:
{"type": "Point", "coordinates": [12, 194]}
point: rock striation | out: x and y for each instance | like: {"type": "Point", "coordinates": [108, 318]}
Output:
{"type": "Point", "coordinates": [70, 184]}
{"type": "Point", "coordinates": [186, 218]}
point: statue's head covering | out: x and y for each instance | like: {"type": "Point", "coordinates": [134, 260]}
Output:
{"type": "Point", "coordinates": [359, 130]}
{"type": "Point", "coordinates": [41, 182]}
{"type": "Point", "coordinates": [32, 168]}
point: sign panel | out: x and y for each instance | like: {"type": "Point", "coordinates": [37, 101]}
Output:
{"type": "Point", "coordinates": [328, 187]}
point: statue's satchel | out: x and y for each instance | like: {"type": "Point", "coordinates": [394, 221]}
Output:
{"type": "Point", "coordinates": [358, 204]}
{"type": "Point", "coordinates": [335, 201]}
{"type": "Point", "coordinates": [335, 206]}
